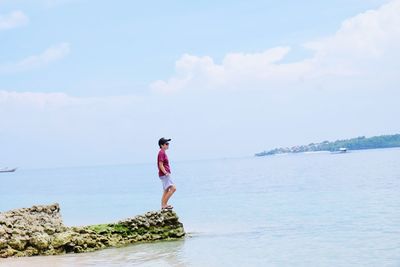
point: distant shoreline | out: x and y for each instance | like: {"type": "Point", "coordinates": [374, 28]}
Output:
{"type": "Point", "coordinates": [358, 143]}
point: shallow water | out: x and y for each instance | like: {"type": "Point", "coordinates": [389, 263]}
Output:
{"type": "Point", "coordinates": [316, 209]}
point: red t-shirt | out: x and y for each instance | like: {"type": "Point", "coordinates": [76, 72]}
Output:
{"type": "Point", "coordinates": [162, 157]}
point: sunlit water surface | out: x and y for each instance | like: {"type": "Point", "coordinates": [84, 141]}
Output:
{"type": "Point", "coordinates": [317, 209]}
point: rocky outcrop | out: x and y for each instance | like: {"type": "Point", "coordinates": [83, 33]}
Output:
{"type": "Point", "coordinates": [39, 230]}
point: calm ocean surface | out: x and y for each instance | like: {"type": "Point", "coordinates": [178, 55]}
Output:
{"type": "Point", "coordinates": [315, 209]}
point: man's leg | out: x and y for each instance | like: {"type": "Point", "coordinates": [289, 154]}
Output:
{"type": "Point", "coordinates": [163, 201]}
{"type": "Point", "coordinates": [166, 195]}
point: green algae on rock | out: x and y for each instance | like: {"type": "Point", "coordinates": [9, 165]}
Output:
{"type": "Point", "coordinates": [39, 230]}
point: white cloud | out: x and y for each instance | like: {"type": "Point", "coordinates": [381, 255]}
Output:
{"type": "Point", "coordinates": [237, 70]}
{"type": "Point", "coordinates": [48, 56]}
{"type": "Point", "coordinates": [57, 100]}
{"type": "Point", "coordinates": [61, 114]}
{"type": "Point", "coordinates": [361, 44]}
{"type": "Point", "coordinates": [13, 20]}
{"type": "Point", "coordinates": [67, 127]}
{"type": "Point", "coordinates": [366, 39]}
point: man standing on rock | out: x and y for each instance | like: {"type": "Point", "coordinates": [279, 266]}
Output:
{"type": "Point", "coordinates": [164, 172]}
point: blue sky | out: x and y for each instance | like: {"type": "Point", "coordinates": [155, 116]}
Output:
{"type": "Point", "coordinates": [84, 82]}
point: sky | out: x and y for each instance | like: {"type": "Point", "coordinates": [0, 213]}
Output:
{"type": "Point", "coordinates": [99, 82]}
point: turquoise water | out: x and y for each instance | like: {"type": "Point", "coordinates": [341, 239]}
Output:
{"type": "Point", "coordinates": [315, 209]}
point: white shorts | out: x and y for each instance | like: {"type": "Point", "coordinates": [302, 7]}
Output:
{"type": "Point", "coordinates": [166, 181]}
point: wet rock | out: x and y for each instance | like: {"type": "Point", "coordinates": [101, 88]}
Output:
{"type": "Point", "coordinates": [40, 241]}
{"type": "Point", "coordinates": [8, 252]}
{"type": "Point", "coordinates": [2, 231]}
{"type": "Point", "coordinates": [39, 230]}
{"type": "Point", "coordinates": [17, 243]}
{"type": "Point", "coordinates": [62, 239]}
{"type": "Point", "coordinates": [3, 243]}
{"type": "Point", "coordinates": [31, 251]}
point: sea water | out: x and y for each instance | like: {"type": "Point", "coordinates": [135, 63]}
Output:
{"type": "Point", "coordinates": [317, 209]}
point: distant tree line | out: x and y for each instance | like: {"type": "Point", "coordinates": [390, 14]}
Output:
{"type": "Point", "coordinates": [361, 142]}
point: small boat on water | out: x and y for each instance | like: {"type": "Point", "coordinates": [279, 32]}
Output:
{"type": "Point", "coordinates": [8, 170]}
{"type": "Point", "coordinates": [340, 150]}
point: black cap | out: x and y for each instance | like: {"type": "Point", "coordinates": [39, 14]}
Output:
{"type": "Point", "coordinates": [162, 141]}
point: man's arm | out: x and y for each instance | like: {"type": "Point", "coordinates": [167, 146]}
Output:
{"type": "Point", "coordinates": [162, 168]}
